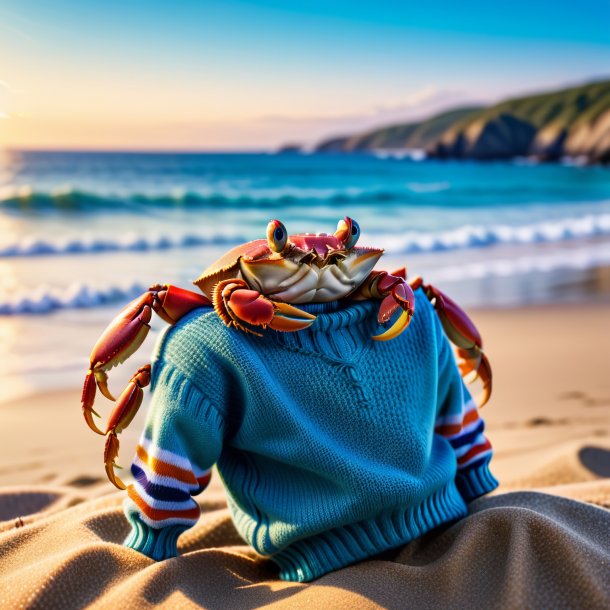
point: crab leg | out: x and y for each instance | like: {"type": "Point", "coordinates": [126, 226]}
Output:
{"type": "Point", "coordinates": [462, 332]}
{"type": "Point", "coordinates": [237, 305]}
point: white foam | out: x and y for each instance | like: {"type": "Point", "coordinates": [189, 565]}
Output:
{"type": "Point", "coordinates": [587, 257]}
{"type": "Point", "coordinates": [467, 236]}
{"type": "Point", "coordinates": [44, 299]}
{"type": "Point", "coordinates": [129, 242]}
{"type": "Point", "coordinates": [476, 236]}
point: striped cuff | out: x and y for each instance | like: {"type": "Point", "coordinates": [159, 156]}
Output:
{"type": "Point", "coordinates": [475, 480]}
{"type": "Point", "coordinates": [158, 544]}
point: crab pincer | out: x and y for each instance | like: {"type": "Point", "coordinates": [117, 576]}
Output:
{"type": "Point", "coordinates": [122, 337]}
{"type": "Point", "coordinates": [127, 406]}
{"type": "Point", "coordinates": [238, 305]}
{"type": "Point", "coordinates": [126, 333]}
{"type": "Point", "coordinates": [462, 332]}
{"type": "Point", "coordinates": [395, 293]}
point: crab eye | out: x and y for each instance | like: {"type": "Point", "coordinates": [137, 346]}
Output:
{"type": "Point", "coordinates": [277, 236]}
{"type": "Point", "coordinates": [348, 231]}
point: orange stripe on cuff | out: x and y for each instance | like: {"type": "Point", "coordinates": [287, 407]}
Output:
{"type": "Point", "coordinates": [452, 429]}
{"type": "Point", "coordinates": [165, 469]}
{"type": "Point", "coordinates": [474, 451]}
{"type": "Point", "coordinates": [157, 514]}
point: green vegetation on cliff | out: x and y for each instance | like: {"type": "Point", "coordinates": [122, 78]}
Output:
{"type": "Point", "coordinates": [574, 122]}
{"type": "Point", "coordinates": [409, 135]}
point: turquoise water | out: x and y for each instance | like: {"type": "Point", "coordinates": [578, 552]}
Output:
{"type": "Point", "coordinates": [82, 233]}
{"type": "Point", "coordinates": [142, 217]}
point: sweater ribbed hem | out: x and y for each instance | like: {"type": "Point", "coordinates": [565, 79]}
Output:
{"type": "Point", "coordinates": [476, 482]}
{"type": "Point", "coordinates": [313, 557]}
{"type": "Point", "coordinates": [158, 544]}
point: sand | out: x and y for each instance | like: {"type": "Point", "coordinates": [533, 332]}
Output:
{"type": "Point", "coordinates": [549, 423]}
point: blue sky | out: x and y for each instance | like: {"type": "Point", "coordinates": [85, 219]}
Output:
{"type": "Point", "coordinates": [136, 74]}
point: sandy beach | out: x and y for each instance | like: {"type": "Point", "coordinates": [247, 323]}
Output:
{"type": "Point", "coordinates": [267, 153]}
{"type": "Point", "coordinates": [548, 420]}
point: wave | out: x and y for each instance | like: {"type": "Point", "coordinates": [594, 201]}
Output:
{"type": "Point", "coordinates": [477, 236]}
{"type": "Point", "coordinates": [572, 259]}
{"type": "Point", "coordinates": [68, 200]}
{"type": "Point", "coordinates": [130, 242]}
{"type": "Point", "coordinates": [467, 236]}
{"type": "Point", "coordinates": [45, 300]}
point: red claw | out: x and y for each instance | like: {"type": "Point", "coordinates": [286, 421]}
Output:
{"type": "Point", "coordinates": [87, 402]}
{"type": "Point", "coordinates": [111, 452]}
{"type": "Point", "coordinates": [251, 307]}
{"type": "Point", "coordinates": [464, 334]}
{"type": "Point", "coordinates": [396, 293]}
{"type": "Point", "coordinates": [121, 339]}
{"type": "Point", "coordinates": [129, 328]}
{"type": "Point", "coordinates": [129, 401]}
{"type": "Point", "coordinates": [126, 408]}
{"type": "Point", "coordinates": [458, 326]}
{"type": "Point", "coordinates": [239, 306]}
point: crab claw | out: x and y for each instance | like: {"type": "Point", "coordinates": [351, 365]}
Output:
{"type": "Point", "coordinates": [111, 452]}
{"type": "Point", "coordinates": [400, 295]}
{"type": "Point", "coordinates": [288, 318]}
{"type": "Point", "coordinates": [459, 327]}
{"type": "Point", "coordinates": [88, 397]}
{"type": "Point", "coordinates": [475, 361]}
{"type": "Point", "coordinates": [464, 334]}
{"type": "Point", "coordinates": [101, 379]}
{"type": "Point", "coordinates": [238, 305]}
{"type": "Point", "coordinates": [126, 408]}
{"type": "Point", "coordinates": [129, 401]}
{"type": "Point", "coordinates": [121, 339]}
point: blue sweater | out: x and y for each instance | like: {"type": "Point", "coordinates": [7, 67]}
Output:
{"type": "Point", "coordinates": [332, 447]}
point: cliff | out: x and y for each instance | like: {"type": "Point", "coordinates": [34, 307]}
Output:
{"type": "Point", "coordinates": [422, 135]}
{"type": "Point", "coordinates": [572, 122]}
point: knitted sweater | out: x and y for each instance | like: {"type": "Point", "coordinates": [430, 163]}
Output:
{"type": "Point", "coordinates": [332, 447]}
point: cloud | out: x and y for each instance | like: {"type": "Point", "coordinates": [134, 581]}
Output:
{"type": "Point", "coordinates": [421, 101]}
{"type": "Point", "coordinates": [412, 107]}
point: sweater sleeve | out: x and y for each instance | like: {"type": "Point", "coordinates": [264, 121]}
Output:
{"type": "Point", "coordinates": [458, 421]}
{"type": "Point", "coordinates": [181, 441]}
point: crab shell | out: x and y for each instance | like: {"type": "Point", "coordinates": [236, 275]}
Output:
{"type": "Point", "coordinates": [311, 269]}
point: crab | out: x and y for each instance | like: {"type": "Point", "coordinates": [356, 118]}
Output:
{"type": "Point", "coordinates": [257, 286]}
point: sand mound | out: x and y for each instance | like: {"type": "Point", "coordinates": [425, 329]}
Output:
{"type": "Point", "coordinates": [521, 549]}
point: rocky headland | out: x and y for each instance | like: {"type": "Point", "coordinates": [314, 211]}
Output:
{"type": "Point", "coordinates": [573, 123]}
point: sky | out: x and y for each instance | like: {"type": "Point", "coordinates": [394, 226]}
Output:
{"type": "Point", "coordinates": [237, 75]}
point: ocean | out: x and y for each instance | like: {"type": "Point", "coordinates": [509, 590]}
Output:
{"type": "Point", "coordinates": [83, 233]}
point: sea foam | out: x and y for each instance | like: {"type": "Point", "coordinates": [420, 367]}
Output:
{"type": "Point", "coordinates": [478, 236]}
{"type": "Point", "coordinates": [130, 242]}
{"type": "Point", "coordinates": [466, 236]}
{"type": "Point", "coordinates": [44, 300]}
